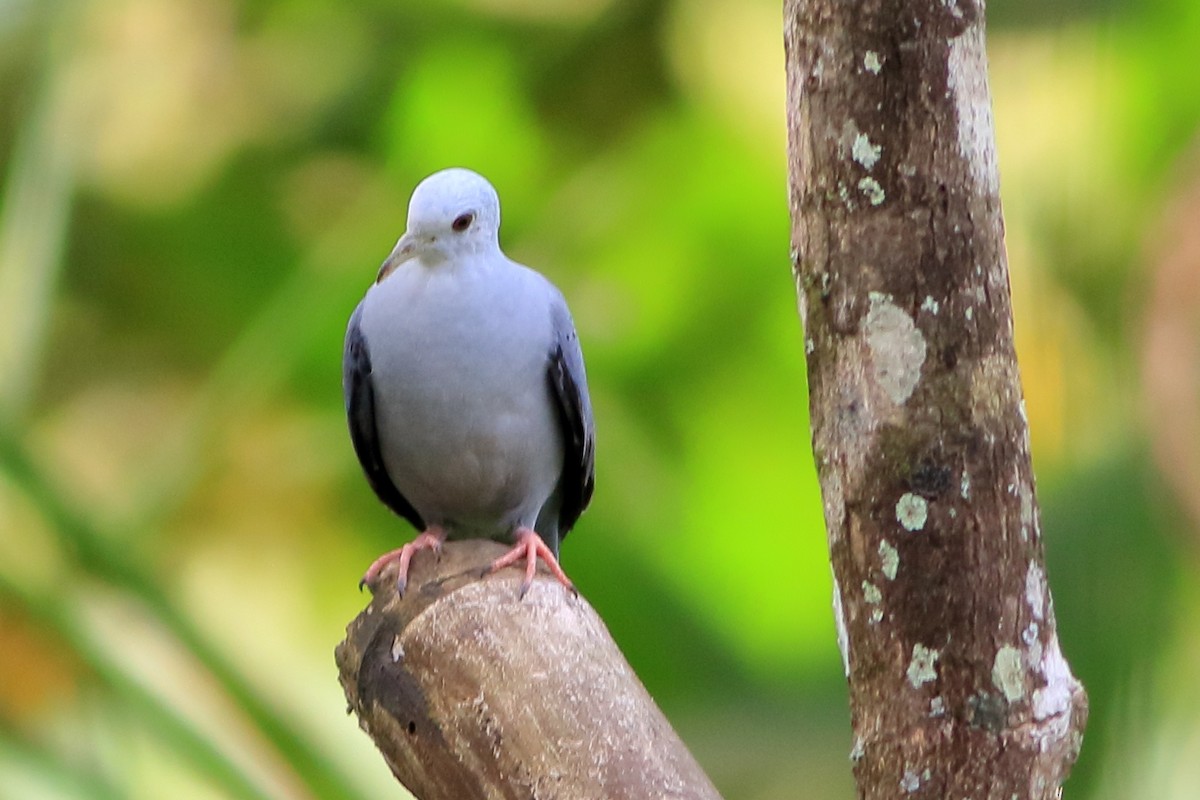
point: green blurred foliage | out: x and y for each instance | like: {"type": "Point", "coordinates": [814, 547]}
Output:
{"type": "Point", "coordinates": [196, 194]}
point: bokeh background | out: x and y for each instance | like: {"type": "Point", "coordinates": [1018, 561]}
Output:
{"type": "Point", "coordinates": [195, 194]}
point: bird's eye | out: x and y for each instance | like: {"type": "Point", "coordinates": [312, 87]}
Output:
{"type": "Point", "coordinates": [462, 222]}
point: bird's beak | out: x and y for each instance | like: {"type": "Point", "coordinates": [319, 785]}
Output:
{"type": "Point", "coordinates": [406, 249]}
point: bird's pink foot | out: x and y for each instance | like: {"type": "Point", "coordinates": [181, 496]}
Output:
{"type": "Point", "coordinates": [531, 547]}
{"type": "Point", "coordinates": [430, 539]}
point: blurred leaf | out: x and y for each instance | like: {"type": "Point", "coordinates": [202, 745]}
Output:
{"type": "Point", "coordinates": [33, 223]}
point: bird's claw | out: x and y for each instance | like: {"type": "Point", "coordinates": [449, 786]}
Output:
{"type": "Point", "coordinates": [429, 539]}
{"type": "Point", "coordinates": [531, 547]}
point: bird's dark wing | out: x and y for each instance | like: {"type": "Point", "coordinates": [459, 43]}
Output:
{"type": "Point", "coordinates": [568, 386]}
{"type": "Point", "coordinates": [359, 389]}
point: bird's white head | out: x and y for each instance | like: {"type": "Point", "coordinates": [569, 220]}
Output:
{"type": "Point", "coordinates": [452, 214]}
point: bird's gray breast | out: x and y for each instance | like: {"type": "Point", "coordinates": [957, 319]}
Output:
{"type": "Point", "coordinates": [467, 429]}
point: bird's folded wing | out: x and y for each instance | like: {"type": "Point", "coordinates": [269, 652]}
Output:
{"type": "Point", "coordinates": [359, 389]}
{"type": "Point", "coordinates": [568, 384]}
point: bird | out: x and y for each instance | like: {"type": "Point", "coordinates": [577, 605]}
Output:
{"type": "Point", "coordinates": [465, 389]}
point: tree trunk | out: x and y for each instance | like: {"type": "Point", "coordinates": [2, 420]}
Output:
{"type": "Point", "coordinates": [470, 692]}
{"type": "Point", "coordinates": [958, 688]}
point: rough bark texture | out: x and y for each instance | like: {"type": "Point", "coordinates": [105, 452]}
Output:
{"type": "Point", "coordinates": [469, 692]}
{"type": "Point", "coordinates": [958, 688]}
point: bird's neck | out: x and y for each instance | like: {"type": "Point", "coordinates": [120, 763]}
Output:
{"type": "Point", "coordinates": [466, 259]}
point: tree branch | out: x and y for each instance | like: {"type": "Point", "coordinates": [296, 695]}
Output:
{"type": "Point", "coordinates": [957, 684]}
{"type": "Point", "coordinates": [469, 692]}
